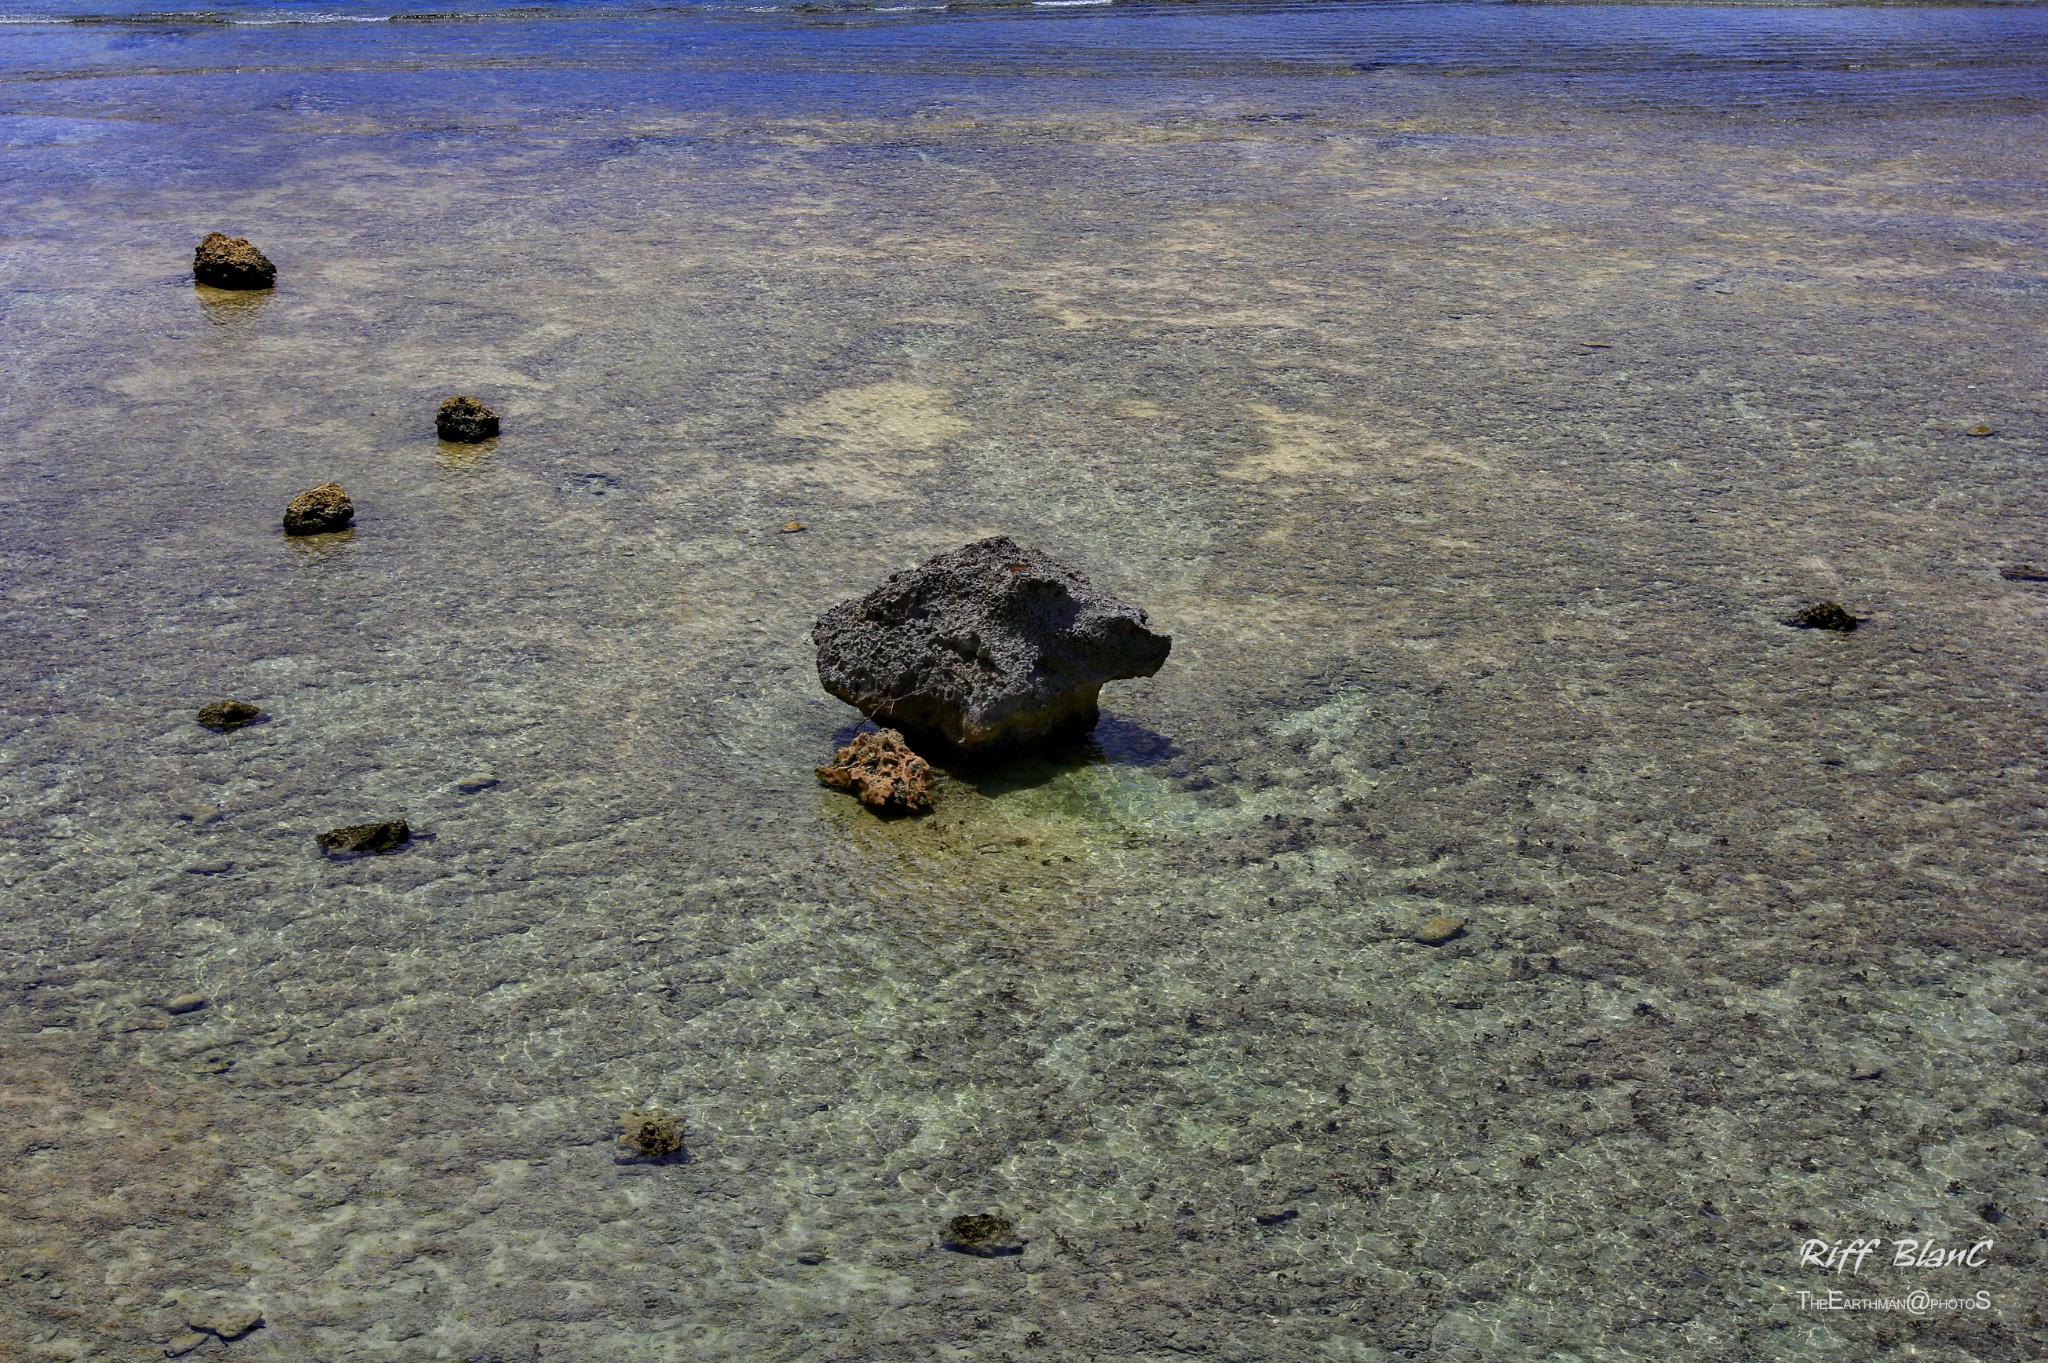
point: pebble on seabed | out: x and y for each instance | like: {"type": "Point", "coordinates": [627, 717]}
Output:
{"type": "Point", "coordinates": [1439, 930]}
{"type": "Point", "coordinates": [224, 715]}
{"type": "Point", "coordinates": [984, 1234]}
{"type": "Point", "coordinates": [650, 1134]}
{"type": "Point", "coordinates": [365, 837]}
{"type": "Point", "coordinates": [1824, 615]}
{"type": "Point", "coordinates": [229, 1322]}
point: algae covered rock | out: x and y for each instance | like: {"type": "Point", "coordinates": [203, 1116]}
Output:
{"type": "Point", "coordinates": [227, 262]}
{"type": "Point", "coordinates": [465, 421]}
{"type": "Point", "coordinates": [225, 715]}
{"type": "Point", "coordinates": [1438, 930]}
{"type": "Point", "coordinates": [1826, 615]}
{"type": "Point", "coordinates": [364, 838]}
{"type": "Point", "coordinates": [985, 1234]}
{"type": "Point", "coordinates": [992, 648]}
{"type": "Point", "coordinates": [319, 511]}
{"type": "Point", "coordinates": [883, 772]}
{"type": "Point", "coordinates": [650, 1134]}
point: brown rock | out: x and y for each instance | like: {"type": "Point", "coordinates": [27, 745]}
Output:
{"type": "Point", "coordinates": [650, 1134]}
{"type": "Point", "coordinates": [881, 769]}
{"type": "Point", "coordinates": [319, 510]}
{"type": "Point", "coordinates": [228, 262]}
{"type": "Point", "coordinates": [1439, 930]}
{"type": "Point", "coordinates": [465, 421]}
{"type": "Point", "coordinates": [229, 714]}
{"type": "Point", "coordinates": [1826, 615]}
{"type": "Point", "coordinates": [363, 838]}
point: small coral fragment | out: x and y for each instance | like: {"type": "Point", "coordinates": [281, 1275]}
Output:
{"type": "Point", "coordinates": [881, 769]}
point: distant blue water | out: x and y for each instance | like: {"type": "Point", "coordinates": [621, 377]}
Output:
{"type": "Point", "coordinates": [1680, 57]}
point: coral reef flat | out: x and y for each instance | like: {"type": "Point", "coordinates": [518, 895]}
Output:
{"type": "Point", "coordinates": [1470, 422]}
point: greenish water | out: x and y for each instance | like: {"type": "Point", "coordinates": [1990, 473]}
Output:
{"type": "Point", "coordinates": [1471, 428]}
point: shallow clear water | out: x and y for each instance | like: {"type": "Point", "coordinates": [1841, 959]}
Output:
{"type": "Point", "coordinates": [1470, 391]}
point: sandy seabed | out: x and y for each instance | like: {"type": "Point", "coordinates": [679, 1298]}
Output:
{"type": "Point", "coordinates": [1471, 441]}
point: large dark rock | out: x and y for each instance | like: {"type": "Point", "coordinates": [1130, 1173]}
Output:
{"type": "Point", "coordinates": [465, 421]}
{"type": "Point", "coordinates": [319, 510]}
{"type": "Point", "coordinates": [993, 648]}
{"type": "Point", "coordinates": [228, 262]}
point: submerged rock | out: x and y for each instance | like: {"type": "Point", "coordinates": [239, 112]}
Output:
{"type": "Point", "coordinates": [987, 1234]}
{"type": "Point", "coordinates": [984, 1233]}
{"type": "Point", "coordinates": [227, 262]}
{"type": "Point", "coordinates": [1436, 931]}
{"type": "Point", "coordinates": [1826, 615]}
{"type": "Point", "coordinates": [363, 838]}
{"type": "Point", "coordinates": [990, 648]}
{"type": "Point", "coordinates": [465, 421]}
{"type": "Point", "coordinates": [227, 1322]}
{"type": "Point", "coordinates": [881, 769]}
{"type": "Point", "coordinates": [229, 714]}
{"type": "Point", "coordinates": [650, 1134]}
{"type": "Point", "coordinates": [318, 511]}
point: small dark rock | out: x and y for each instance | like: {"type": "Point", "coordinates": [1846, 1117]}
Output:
{"type": "Point", "coordinates": [987, 1234]}
{"type": "Point", "coordinates": [1826, 615]}
{"type": "Point", "coordinates": [319, 511]}
{"type": "Point", "coordinates": [881, 769]}
{"type": "Point", "coordinates": [227, 262]}
{"type": "Point", "coordinates": [229, 714]}
{"type": "Point", "coordinates": [364, 838]}
{"type": "Point", "coordinates": [650, 1134]}
{"type": "Point", "coordinates": [988, 649]}
{"type": "Point", "coordinates": [465, 421]}
{"type": "Point", "coordinates": [2023, 572]}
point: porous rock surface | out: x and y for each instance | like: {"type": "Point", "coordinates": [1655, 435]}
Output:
{"type": "Point", "coordinates": [225, 715]}
{"type": "Point", "coordinates": [1827, 615]}
{"type": "Point", "coordinates": [465, 421]}
{"type": "Point", "coordinates": [319, 510]}
{"type": "Point", "coordinates": [365, 838]}
{"type": "Point", "coordinates": [883, 772]}
{"type": "Point", "coordinates": [227, 262]}
{"type": "Point", "coordinates": [992, 648]}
